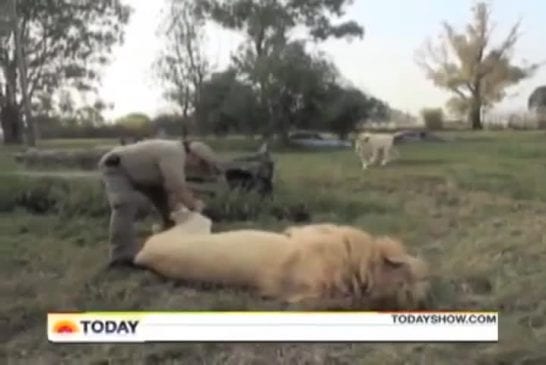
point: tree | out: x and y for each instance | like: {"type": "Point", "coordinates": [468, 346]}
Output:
{"type": "Point", "coordinates": [537, 99]}
{"type": "Point", "coordinates": [298, 85]}
{"type": "Point", "coordinates": [90, 116]}
{"type": "Point", "coordinates": [138, 124]}
{"type": "Point", "coordinates": [537, 105]}
{"type": "Point", "coordinates": [469, 66]}
{"type": "Point", "coordinates": [305, 90]}
{"type": "Point", "coordinates": [172, 124]}
{"type": "Point", "coordinates": [21, 64]}
{"type": "Point", "coordinates": [228, 105]}
{"type": "Point", "coordinates": [65, 44]}
{"type": "Point", "coordinates": [348, 106]}
{"type": "Point", "coordinates": [433, 118]}
{"type": "Point", "coordinates": [183, 65]}
{"type": "Point", "coordinates": [268, 26]}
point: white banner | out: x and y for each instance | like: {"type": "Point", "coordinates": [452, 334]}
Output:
{"type": "Point", "coordinates": [108, 327]}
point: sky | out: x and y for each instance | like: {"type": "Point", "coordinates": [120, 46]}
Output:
{"type": "Point", "coordinates": [382, 63]}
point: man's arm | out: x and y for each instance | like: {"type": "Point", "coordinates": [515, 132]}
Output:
{"type": "Point", "coordinates": [174, 179]}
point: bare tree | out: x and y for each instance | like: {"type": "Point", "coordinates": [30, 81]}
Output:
{"type": "Point", "coordinates": [469, 66]}
{"type": "Point", "coordinates": [183, 65]}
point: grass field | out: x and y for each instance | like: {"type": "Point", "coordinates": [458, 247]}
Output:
{"type": "Point", "coordinates": [474, 207]}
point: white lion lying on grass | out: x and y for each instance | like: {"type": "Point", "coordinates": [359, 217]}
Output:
{"type": "Point", "coordinates": [317, 266]}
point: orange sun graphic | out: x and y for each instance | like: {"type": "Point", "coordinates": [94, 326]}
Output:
{"type": "Point", "coordinates": [65, 326]}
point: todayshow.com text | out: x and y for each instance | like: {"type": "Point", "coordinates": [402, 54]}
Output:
{"type": "Point", "coordinates": [442, 319]}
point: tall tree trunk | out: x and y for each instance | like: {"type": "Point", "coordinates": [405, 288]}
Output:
{"type": "Point", "coordinates": [198, 114]}
{"type": "Point", "coordinates": [22, 68]}
{"type": "Point", "coordinates": [185, 104]}
{"type": "Point", "coordinates": [285, 121]}
{"type": "Point", "coordinates": [10, 113]}
{"type": "Point", "coordinates": [11, 124]}
{"type": "Point", "coordinates": [475, 112]}
{"type": "Point", "coordinates": [269, 129]}
{"type": "Point", "coordinates": [476, 116]}
{"type": "Point", "coordinates": [281, 130]}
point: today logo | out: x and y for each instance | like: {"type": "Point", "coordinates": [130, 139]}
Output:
{"type": "Point", "coordinates": [65, 326]}
{"type": "Point", "coordinates": [97, 326]}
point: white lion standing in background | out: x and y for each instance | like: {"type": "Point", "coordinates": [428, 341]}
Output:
{"type": "Point", "coordinates": [370, 146]}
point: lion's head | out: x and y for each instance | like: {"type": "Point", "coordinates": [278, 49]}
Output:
{"type": "Point", "coordinates": [388, 277]}
{"type": "Point", "coordinates": [371, 273]}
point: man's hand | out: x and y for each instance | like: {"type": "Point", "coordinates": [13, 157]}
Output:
{"type": "Point", "coordinates": [156, 228]}
{"type": "Point", "coordinates": [199, 206]}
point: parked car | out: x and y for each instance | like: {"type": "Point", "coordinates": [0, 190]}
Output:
{"type": "Point", "coordinates": [317, 140]}
{"type": "Point", "coordinates": [416, 136]}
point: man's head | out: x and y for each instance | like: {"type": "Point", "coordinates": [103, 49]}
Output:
{"type": "Point", "coordinates": [202, 160]}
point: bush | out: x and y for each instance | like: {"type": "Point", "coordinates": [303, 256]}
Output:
{"type": "Point", "coordinates": [82, 159]}
{"type": "Point", "coordinates": [236, 205]}
{"type": "Point", "coordinates": [84, 197]}
{"type": "Point", "coordinates": [138, 124]}
{"type": "Point", "coordinates": [53, 195]}
{"type": "Point", "coordinates": [433, 118]}
{"type": "Point", "coordinates": [10, 191]}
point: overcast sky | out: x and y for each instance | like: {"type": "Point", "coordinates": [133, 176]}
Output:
{"type": "Point", "coordinates": [382, 63]}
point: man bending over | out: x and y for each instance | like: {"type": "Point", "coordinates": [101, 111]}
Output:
{"type": "Point", "coordinates": [153, 169]}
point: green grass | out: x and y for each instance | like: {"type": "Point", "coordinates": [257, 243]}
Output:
{"type": "Point", "coordinates": [475, 208]}
{"type": "Point", "coordinates": [227, 143]}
